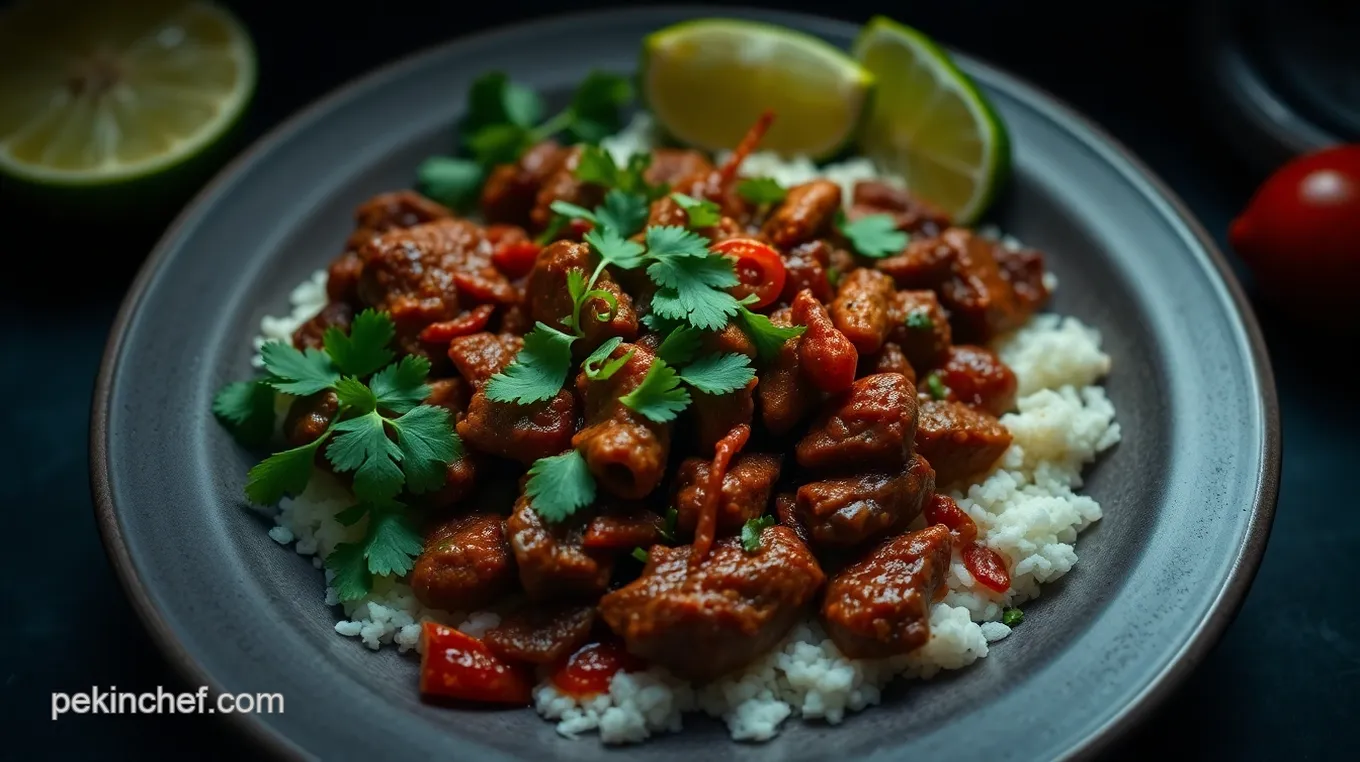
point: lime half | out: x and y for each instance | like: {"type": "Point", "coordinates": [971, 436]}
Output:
{"type": "Point", "coordinates": [930, 123]}
{"type": "Point", "coordinates": [98, 92]}
{"type": "Point", "coordinates": [707, 81]}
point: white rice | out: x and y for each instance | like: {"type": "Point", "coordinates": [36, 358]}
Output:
{"type": "Point", "coordinates": [1027, 509]}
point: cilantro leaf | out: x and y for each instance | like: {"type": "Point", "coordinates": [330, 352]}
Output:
{"type": "Point", "coordinates": [351, 515]}
{"type": "Point", "coordinates": [364, 349]}
{"type": "Point", "coordinates": [560, 485]}
{"type": "Point", "coordinates": [596, 166]}
{"type": "Point", "coordinates": [761, 190]}
{"type": "Point", "coordinates": [596, 104]}
{"type": "Point", "coordinates": [657, 324]}
{"type": "Point", "coordinates": [659, 397]}
{"type": "Point", "coordinates": [623, 212]}
{"type": "Point", "coordinates": [719, 373]}
{"type": "Point", "coordinates": [499, 143]}
{"type": "Point", "coordinates": [391, 545]}
{"type": "Point", "coordinates": [494, 99]}
{"type": "Point", "coordinates": [455, 183]}
{"type": "Point", "coordinates": [691, 290]}
{"type": "Point", "coordinates": [702, 213]}
{"type": "Point", "coordinates": [919, 319]}
{"type": "Point", "coordinates": [768, 337]}
{"type": "Point", "coordinates": [347, 563]}
{"type": "Point", "coordinates": [672, 519]}
{"type": "Point", "coordinates": [640, 554]}
{"type": "Point", "coordinates": [427, 445]}
{"type": "Point", "coordinates": [283, 474]}
{"type": "Point", "coordinates": [1012, 617]}
{"type": "Point", "coordinates": [935, 386]}
{"type": "Point", "coordinates": [354, 394]}
{"type": "Point", "coordinates": [751, 532]}
{"type": "Point", "coordinates": [875, 235]}
{"type": "Point", "coordinates": [538, 371]}
{"type": "Point", "coordinates": [607, 371]}
{"type": "Point", "coordinates": [673, 241]}
{"type": "Point", "coordinates": [247, 409]}
{"type": "Point", "coordinates": [680, 345]}
{"type": "Point", "coordinates": [572, 211]}
{"type": "Point", "coordinates": [615, 249]}
{"type": "Point", "coordinates": [295, 372]}
{"type": "Point", "coordinates": [361, 445]}
{"type": "Point", "coordinates": [401, 386]}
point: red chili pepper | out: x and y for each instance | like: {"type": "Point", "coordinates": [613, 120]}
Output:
{"type": "Point", "coordinates": [987, 567]}
{"type": "Point", "coordinates": [748, 144]}
{"type": "Point", "coordinates": [465, 324]}
{"type": "Point", "coordinates": [455, 665]}
{"type": "Point", "coordinates": [515, 258]}
{"type": "Point", "coordinates": [588, 671]}
{"type": "Point", "coordinates": [475, 288]}
{"type": "Point", "coordinates": [724, 451]}
{"type": "Point", "coordinates": [941, 509]}
{"type": "Point", "coordinates": [759, 268]}
{"type": "Point", "coordinates": [825, 356]}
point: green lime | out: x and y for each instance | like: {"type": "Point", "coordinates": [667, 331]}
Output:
{"type": "Point", "coordinates": [930, 123]}
{"type": "Point", "coordinates": [707, 81]}
{"type": "Point", "coordinates": [102, 92]}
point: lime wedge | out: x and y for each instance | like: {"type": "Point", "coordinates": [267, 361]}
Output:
{"type": "Point", "coordinates": [99, 92]}
{"type": "Point", "coordinates": [707, 81]}
{"type": "Point", "coordinates": [930, 123]}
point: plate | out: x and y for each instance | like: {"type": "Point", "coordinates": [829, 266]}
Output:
{"type": "Point", "coordinates": [1188, 494]}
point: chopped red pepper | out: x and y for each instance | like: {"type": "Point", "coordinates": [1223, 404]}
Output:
{"type": "Point", "coordinates": [456, 665]}
{"type": "Point", "coordinates": [748, 144]}
{"type": "Point", "coordinates": [515, 258]}
{"type": "Point", "coordinates": [725, 450]}
{"type": "Point", "coordinates": [941, 509]}
{"type": "Point", "coordinates": [588, 671]}
{"type": "Point", "coordinates": [987, 567]}
{"type": "Point", "coordinates": [760, 269]}
{"type": "Point", "coordinates": [467, 323]}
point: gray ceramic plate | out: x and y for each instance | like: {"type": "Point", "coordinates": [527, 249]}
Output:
{"type": "Point", "coordinates": [1188, 495]}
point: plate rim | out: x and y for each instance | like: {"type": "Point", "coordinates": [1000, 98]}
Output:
{"type": "Point", "coordinates": [1182, 663]}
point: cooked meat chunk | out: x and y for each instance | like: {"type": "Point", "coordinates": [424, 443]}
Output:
{"type": "Point", "coordinates": [785, 396]}
{"type": "Point", "coordinates": [540, 634]}
{"type": "Point", "coordinates": [479, 356]}
{"type": "Point", "coordinates": [553, 563]}
{"type": "Point", "coordinates": [870, 426]}
{"type": "Point", "coordinates": [786, 510]}
{"type": "Point", "coordinates": [391, 211]}
{"type": "Point", "coordinates": [704, 621]}
{"type": "Point", "coordinates": [670, 165]}
{"type": "Point", "coordinates": [519, 432]}
{"type": "Point", "coordinates": [889, 359]}
{"type": "Point", "coordinates": [460, 481]}
{"type": "Point", "coordinates": [958, 440]}
{"type": "Point", "coordinates": [745, 491]}
{"type": "Point", "coordinates": [311, 334]}
{"type": "Point", "coordinates": [921, 328]}
{"type": "Point", "coordinates": [850, 510]}
{"type": "Point", "coordinates": [563, 185]}
{"type": "Point", "coordinates": [717, 414]}
{"type": "Point", "coordinates": [466, 564]}
{"type": "Point", "coordinates": [976, 377]}
{"type": "Point", "coordinates": [805, 267]}
{"type": "Point", "coordinates": [550, 301]}
{"type": "Point", "coordinates": [911, 213]}
{"type": "Point", "coordinates": [880, 606]}
{"type": "Point", "coordinates": [309, 417]}
{"type": "Point", "coordinates": [342, 278]}
{"type": "Point", "coordinates": [449, 393]}
{"type": "Point", "coordinates": [806, 213]}
{"type": "Point", "coordinates": [862, 308]}
{"type": "Point", "coordinates": [826, 357]}
{"type": "Point", "coordinates": [621, 528]}
{"type": "Point", "coordinates": [925, 263]}
{"type": "Point", "coordinates": [1024, 270]}
{"type": "Point", "coordinates": [625, 450]}
{"type": "Point", "coordinates": [511, 189]}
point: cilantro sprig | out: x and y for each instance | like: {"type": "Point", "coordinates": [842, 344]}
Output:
{"type": "Point", "coordinates": [752, 530]}
{"type": "Point", "coordinates": [381, 432]}
{"type": "Point", "coordinates": [874, 235]}
{"type": "Point", "coordinates": [761, 190]}
{"type": "Point", "coordinates": [662, 395]}
{"type": "Point", "coordinates": [701, 212]}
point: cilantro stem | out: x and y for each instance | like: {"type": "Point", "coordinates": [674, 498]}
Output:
{"type": "Point", "coordinates": [587, 294]}
{"type": "Point", "coordinates": [556, 124]}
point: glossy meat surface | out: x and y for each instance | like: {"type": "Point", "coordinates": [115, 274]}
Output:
{"type": "Point", "coordinates": [466, 564]}
{"type": "Point", "coordinates": [958, 440]}
{"type": "Point", "coordinates": [541, 634]}
{"type": "Point", "coordinates": [846, 511]}
{"type": "Point", "coordinates": [746, 490]}
{"type": "Point", "coordinates": [871, 425]}
{"type": "Point", "coordinates": [553, 562]}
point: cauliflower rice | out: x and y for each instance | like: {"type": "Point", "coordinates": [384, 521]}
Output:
{"type": "Point", "coordinates": [1027, 508]}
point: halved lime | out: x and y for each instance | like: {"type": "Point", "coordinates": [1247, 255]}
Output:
{"type": "Point", "coordinates": [99, 92]}
{"type": "Point", "coordinates": [929, 122]}
{"type": "Point", "coordinates": [707, 81]}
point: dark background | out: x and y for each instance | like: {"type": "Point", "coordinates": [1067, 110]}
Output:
{"type": "Point", "coordinates": [1281, 683]}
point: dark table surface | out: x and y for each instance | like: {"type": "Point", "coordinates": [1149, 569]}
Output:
{"type": "Point", "coordinates": [1283, 681]}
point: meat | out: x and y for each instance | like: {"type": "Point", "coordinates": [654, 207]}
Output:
{"type": "Point", "coordinates": [880, 606]}
{"type": "Point", "coordinates": [826, 357]}
{"type": "Point", "coordinates": [889, 359]}
{"type": "Point", "coordinates": [958, 440]}
{"type": "Point", "coordinates": [620, 528]}
{"type": "Point", "coordinates": [704, 621]}
{"type": "Point", "coordinates": [716, 414]}
{"type": "Point", "coordinates": [976, 377]}
{"type": "Point", "coordinates": [850, 510]}
{"type": "Point", "coordinates": [806, 213]}
{"type": "Point", "coordinates": [466, 564]}
{"type": "Point", "coordinates": [805, 267]}
{"type": "Point", "coordinates": [540, 634]}
{"type": "Point", "coordinates": [745, 491]}
{"type": "Point", "coordinates": [785, 396]}
{"type": "Point", "coordinates": [479, 356]}
{"type": "Point", "coordinates": [309, 417]}
{"type": "Point", "coordinates": [460, 480]}
{"type": "Point", "coordinates": [910, 213]}
{"type": "Point", "coordinates": [966, 270]}
{"type": "Point", "coordinates": [391, 211]}
{"type": "Point", "coordinates": [786, 510]}
{"type": "Point", "coordinates": [624, 450]}
{"type": "Point", "coordinates": [562, 185]}
{"type": "Point", "coordinates": [450, 394]}
{"type": "Point", "coordinates": [862, 308]}
{"type": "Point", "coordinates": [519, 432]}
{"type": "Point", "coordinates": [872, 425]}
{"type": "Point", "coordinates": [920, 326]}
{"type": "Point", "coordinates": [553, 562]}
{"type": "Point", "coordinates": [550, 301]}
{"type": "Point", "coordinates": [670, 165]}
{"type": "Point", "coordinates": [311, 334]}
{"type": "Point", "coordinates": [511, 189]}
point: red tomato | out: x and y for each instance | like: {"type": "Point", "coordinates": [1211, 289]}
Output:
{"type": "Point", "coordinates": [455, 665]}
{"type": "Point", "coordinates": [759, 268]}
{"type": "Point", "coordinates": [941, 509]}
{"type": "Point", "coordinates": [515, 258]}
{"type": "Point", "coordinates": [588, 671]}
{"type": "Point", "coordinates": [1300, 233]}
{"type": "Point", "coordinates": [466, 323]}
{"type": "Point", "coordinates": [987, 567]}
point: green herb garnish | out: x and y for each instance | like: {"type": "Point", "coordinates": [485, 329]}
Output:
{"type": "Point", "coordinates": [701, 212]}
{"type": "Point", "coordinates": [768, 337]}
{"type": "Point", "coordinates": [919, 319]}
{"type": "Point", "coordinates": [936, 387]}
{"type": "Point", "coordinates": [640, 555]}
{"type": "Point", "coordinates": [761, 190]}
{"type": "Point", "coordinates": [874, 235]}
{"type": "Point", "coordinates": [538, 370]}
{"type": "Point", "coordinates": [560, 485]}
{"type": "Point", "coordinates": [751, 531]}
{"type": "Point", "coordinates": [1012, 617]}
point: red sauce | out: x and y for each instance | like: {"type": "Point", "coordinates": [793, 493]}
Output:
{"type": "Point", "coordinates": [515, 258]}
{"type": "Point", "coordinates": [588, 671]}
{"type": "Point", "coordinates": [987, 567]}
{"type": "Point", "coordinates": [455, 665]}
{"type": "Point", "coordinates": [941, 509]}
